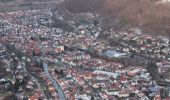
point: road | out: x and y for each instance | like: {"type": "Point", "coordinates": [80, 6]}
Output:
{"type": "Point", "coordinates": [56, 85]}
{"type": "Point", "coordinates": [38, 84]}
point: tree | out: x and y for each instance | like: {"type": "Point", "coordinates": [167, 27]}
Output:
{"type": "Point", "coordinates": [56, 71]}
{"type": "Point", "coordinates": [132, 55]}
{"type": "Point", "coordinates": [61, 72]}
{"type": "Point", "coordinates": [16, 86]}
{"type": "Point", "coordinates": [81, 88]}
{"type": "Point", "coordinates": [92, 97]}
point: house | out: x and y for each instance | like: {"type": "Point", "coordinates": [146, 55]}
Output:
{"type": "Point", "coordinates": [34, 97]}
{"type": "Point", "coordinates": [134, 72]}
{"type": "Point", "coordinates": [112, 92]}
{"type": "Point", "coordinates": [163, 67]}
{"type": "Point", "coordinates": [36, 51]}
{"type": "Point", "coordinates": [83, 97]}
{"type": "Point", "coordinates": [59, 49]}
{"type": "Point", "coordinates": [109, 74]}
{"type": "Point", "coordinates": [157, 97]}
{"type": "Point", "coordinates": [123, 94]}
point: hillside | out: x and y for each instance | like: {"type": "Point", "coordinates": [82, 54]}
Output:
{"type": "Point", "coordinates": [146, 14]}
{"type": "Point", "coordinates": [150, 15]}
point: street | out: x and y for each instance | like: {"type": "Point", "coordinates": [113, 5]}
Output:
{"type": "Point", "coordinates": [56, 85]}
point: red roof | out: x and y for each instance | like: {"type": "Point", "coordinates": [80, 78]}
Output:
{"type": "Point", "coordinates": [167, 98]}
{"type": "Point", "coordinates": [158, 97]}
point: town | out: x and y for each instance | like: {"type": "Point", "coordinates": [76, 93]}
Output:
{"type": "Point", "coordinates": [57, 55]}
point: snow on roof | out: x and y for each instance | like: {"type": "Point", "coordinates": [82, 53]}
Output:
{"type": "Point", "coordinates": [135, 70]}
{"type": "Point", "coordinates": [110, 74]}
{"type": "Point", "coordinates": [112, 53]}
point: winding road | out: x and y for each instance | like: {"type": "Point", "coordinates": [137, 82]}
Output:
{"type": "Point", "coordinates": [56, 85]}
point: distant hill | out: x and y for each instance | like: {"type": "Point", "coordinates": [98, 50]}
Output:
{"type": "Point", "coordinates": [150, 15]}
